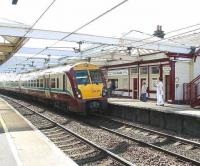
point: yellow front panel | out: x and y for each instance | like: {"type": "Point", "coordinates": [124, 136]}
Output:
{"type": "Point", "coordinates": [85, 66]}
{"type": "Point", "coordinates": [91, 90]}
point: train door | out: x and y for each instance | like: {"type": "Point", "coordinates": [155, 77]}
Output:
{"type": "Point", "coordinates": [135, 88]}
{"type": "Point", "coordinates": [47, 86]}
{"type": "Point", "coordinates": [167, 87]}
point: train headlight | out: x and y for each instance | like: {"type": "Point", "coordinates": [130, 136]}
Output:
{"type": "Point", "coordinates": [104, 92]}
{"type": "Point", "coordinates": [78, 93]}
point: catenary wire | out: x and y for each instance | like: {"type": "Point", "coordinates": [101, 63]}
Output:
{"type": "Point", "coordinates": [81, 27]}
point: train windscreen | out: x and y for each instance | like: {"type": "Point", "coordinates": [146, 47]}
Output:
{"type": "Point", "coordinates": [82, 77]}
{"type": "Point", "coordinates": [96, 76]}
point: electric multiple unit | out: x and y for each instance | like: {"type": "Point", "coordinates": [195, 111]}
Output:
{"type": "Point", "coordinates": [78, 88]}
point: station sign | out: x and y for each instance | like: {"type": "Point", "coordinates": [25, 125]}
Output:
{"type": "Point", "coordinates": [123, 72]}
{"type": "Point", "coordinates": [166, 68]}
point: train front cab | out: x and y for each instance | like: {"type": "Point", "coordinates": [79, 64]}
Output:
{"type": "Point", "coordinates": [90, 88]}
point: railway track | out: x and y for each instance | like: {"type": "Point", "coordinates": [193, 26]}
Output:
{"type": "Point", "coordinates": [134, 152]}
{"type": "Point", "coordinates": [181, 148]}
{"type": "Point", "coordinates": [81, 150]}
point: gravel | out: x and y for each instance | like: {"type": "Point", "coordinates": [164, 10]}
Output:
{"type": "Point", "coordinates": [131, 151]}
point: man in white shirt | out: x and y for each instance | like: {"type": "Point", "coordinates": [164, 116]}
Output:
{"type": "Point", "coordinates": [160, 93]}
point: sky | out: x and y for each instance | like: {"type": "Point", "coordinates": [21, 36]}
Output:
{"type": "Point", "coordinates": [68, 15]}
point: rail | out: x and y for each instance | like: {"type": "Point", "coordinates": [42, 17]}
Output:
{"type": "Point", "coordinates": [105, 151]}
{"type": "Point", "coordinates": [155, 146]}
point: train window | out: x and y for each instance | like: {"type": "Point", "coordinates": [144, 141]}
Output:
{"type": "Point", "coordinates": [155, 70]}
{"type": "Point", "coordinates": [58, 83]}
{"type": "Point", "coordinates": [53, 83]}
{"type": "Point", "coordinates": [64, 81]}
{"type": "Point", "coordinates": [38, 83]}
{"type": "Point", "coordinates": [41, 82]}
{"type": "Point", "coordinates": [31, 83]}
{"type": "Point", "coordinates": [82, 77]}
{"type": "Point", "coordinates": [143, 70]}
{"type": "Point", "coordinates": [96, 76]}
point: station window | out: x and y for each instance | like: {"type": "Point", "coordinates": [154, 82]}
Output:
{"type": "Point", "coordinates": [143, 70]}
{"type": "Point", "coordinates": [134, 70]}
{"type": "Point", "coordinates": [53, 83]}
{"type": "Point", "coordinates": [114, 83]}
{"type": "Point", "coordinates": [155, 70]}
{"type": "Point", "coordinates": [153, 83]}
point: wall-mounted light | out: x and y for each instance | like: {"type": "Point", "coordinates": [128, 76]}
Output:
{"type": "Point", "coordinates": [14, 2]}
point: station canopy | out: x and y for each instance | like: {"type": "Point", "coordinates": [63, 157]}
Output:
{"type": "Point", "coordinates": [38, 48]}
{"type": "Point", "coordinates": [9, 45]}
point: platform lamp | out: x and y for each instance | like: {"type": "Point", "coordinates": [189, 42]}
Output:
{"type": "Point", "coordinates": [14, 2]}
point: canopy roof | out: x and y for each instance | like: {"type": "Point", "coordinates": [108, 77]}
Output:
{"type": "Point", "coordinates": [9, 44]}
{"type": "Point", "coordinates": [56, 47]}
{"type": "Point", "coordinates": [15, 31]}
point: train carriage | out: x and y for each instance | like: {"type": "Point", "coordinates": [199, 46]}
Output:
{"type": "Point", "coordinates": [78, 88]}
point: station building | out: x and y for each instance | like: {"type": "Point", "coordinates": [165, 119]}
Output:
{"type": "Point", "coordinates": [175, 69]}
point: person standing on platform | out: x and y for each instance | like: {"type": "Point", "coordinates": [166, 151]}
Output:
{"type": "Point", "coordinates": [160, 93]}
{"type": "Point", "coordinates": [112, 87]}
{"type": "Point", "coordinates": [143, 92]}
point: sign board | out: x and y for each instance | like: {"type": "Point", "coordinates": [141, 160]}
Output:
{"type": "Point", "coordinates": [123, 72]}
{"type": "Point", "coordinates": [166, 68]}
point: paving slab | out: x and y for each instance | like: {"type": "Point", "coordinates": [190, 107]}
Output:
{"type": "Point", "coordinates": [23, 144]}
{"type": "Point", "coordinates": [151, 105]}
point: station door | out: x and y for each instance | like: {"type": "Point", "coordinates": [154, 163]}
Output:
{"type": "Point", "coordinates": [167, 87]}
{"type": "Point", "coordinates": [135, 88]}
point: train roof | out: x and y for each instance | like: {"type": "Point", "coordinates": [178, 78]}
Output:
{"type": "Point", "coordinates": [54, 70]}
{"type": "Point", "coordinates": [42, 72]}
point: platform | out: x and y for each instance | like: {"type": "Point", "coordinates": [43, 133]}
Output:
{"type": "Point", "coordinates": [179, 118]}
{"type": "Point", "coordinates": [22, 144]}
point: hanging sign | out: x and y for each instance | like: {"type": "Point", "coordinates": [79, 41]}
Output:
{"type": "Point", "coordinates": [166, 68]}
{"type": "Point", "coordinates": [118, 72]}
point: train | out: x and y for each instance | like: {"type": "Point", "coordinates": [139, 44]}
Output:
{"type": "Point", "coordinates": [80, 87]}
